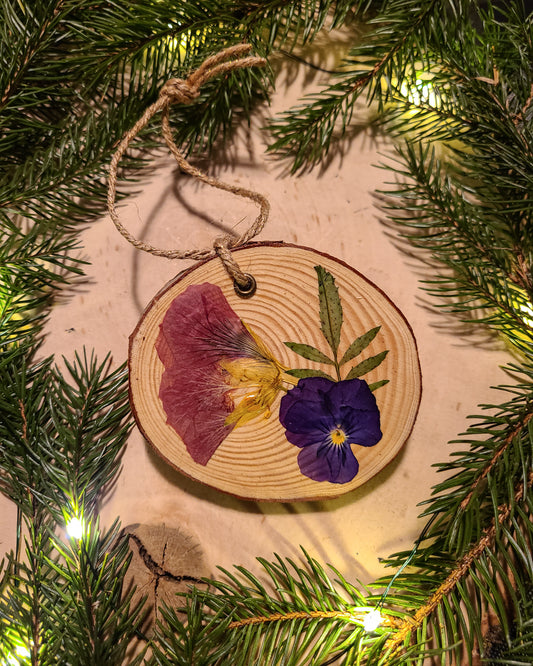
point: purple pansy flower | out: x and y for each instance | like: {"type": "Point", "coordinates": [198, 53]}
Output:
{"type": "Point", "coordinates": [324, 418]}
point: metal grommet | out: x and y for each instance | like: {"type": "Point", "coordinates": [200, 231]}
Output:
{"type": "Point", "coordinates": [247, 290]}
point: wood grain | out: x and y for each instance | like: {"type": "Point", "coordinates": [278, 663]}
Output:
{"type": "Point", "coordinates": [256, 461]}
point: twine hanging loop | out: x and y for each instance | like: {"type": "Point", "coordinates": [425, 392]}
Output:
{"type": "Point", "coordinates": [186, 91]}
{"type": "Point", "coordinates": [179, 91]}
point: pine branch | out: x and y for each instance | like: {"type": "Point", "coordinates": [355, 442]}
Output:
{"type": "Point", "coordinates": [60, 453]}
{"type": "Point", "coordinates": [399, 39]}
{"type": "Point", "coordinates": [90, 411]}
{"type": "Point", "coordinates": [459, 572]}
{"type": "Point", "coordinates": [96, 618]}
{"type": "Point", "coordinates": [63, 440]}
{"type": "Point", "coordinates": [82, 73]}
{"type": "Point", "coordinates": [27, 607]}
{"type": "Point", "coordinates": [474, 225]}
{"type": "Point", "coordinates": [496, 453]}
{"type": "Point", "coordinates": [488, 278]}
{"type": "Point", "coordinates": [287, 24]}
{"type": "Point", "coordinates": [310, 618]}
{"type": "Point", "coordinates": [32, 39]}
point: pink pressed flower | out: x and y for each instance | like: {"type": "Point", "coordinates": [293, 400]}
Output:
{"type": "Point", "coordinates": [218, 374]}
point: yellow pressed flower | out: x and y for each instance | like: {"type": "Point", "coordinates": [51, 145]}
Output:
{"type": "Point", "coordinates": [255, 381]}
{"type": "Point", "coordinates": [254, 387]}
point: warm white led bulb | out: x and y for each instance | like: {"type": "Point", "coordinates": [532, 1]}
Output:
{"type": "Point", "coordinates": [21, 652]}
{"type": "Point", "coordinates": [75, 528]}
{"type": "Point", "coordinates": [527, 316]}
{"type": "Point", "coordinates": [372, 620]}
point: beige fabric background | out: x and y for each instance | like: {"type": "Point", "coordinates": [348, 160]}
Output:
{"type": "Point", "coordinates": [333, 210]}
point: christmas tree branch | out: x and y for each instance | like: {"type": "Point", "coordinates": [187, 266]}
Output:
{"type": "Point", "coordinates": [82, 74]}
{"type": "Point", "coordinates": [34, 42]}
{"type": "Point", "coordinates": [460, 571]}
{"type": "Point", "coordinates": [57, 463]}
{"type": "Point", "coordinates": [306, 132]}
{"type": "Point", "coordinates": [517, 430]}
{"type": "Point", "coordinates": [295, 615]}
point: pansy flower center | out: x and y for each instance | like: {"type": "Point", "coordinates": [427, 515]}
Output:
{"type": "Point", "coordinates": [337, 436]}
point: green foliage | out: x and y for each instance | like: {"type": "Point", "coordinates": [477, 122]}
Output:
{"type": "Point", "coordinates": [74, 76]}
{"type": "Point", "coordinates": [96, 617]}
{"type": "Point", "coordinates": [330, 308]}
{"type": "Point", "coordinates": [367, 365]}
{"type": "Point", "coordinates": [331, 317]}
{"type": "Point", "coordinates": [309, 352]}
{"type": "Point", "coordinates": [492, 578]}
{"type": "Point", "coordinates": [311, 618]}
{"type": "Point", "coordinates": [60, 443]}
{"type": "Point", "coordinates": [494, 459]}
{"type": "Point", "coordinates": [359, 345]}
{"type": "Point", "coordinates": [398, 41]}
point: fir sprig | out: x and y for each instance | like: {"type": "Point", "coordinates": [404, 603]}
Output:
{"type": "Point", "coordinates": [95, 612]}
{"type": "Point", "coordinates": [489, 463]}
{"type": "Point", "coordinates": [74, 77]}
{"type": "Point", "coordinates": [60, 453]}
{"type": "Point", "coordinates": [494, 574]}
{"type": "Point", "coordinates": [62, 441]}
{"type": "Point", "coordinates": [285, 25]}
{"type": "Point", "coordinates": [311, 618]}
{"type": "Point", "coordinates": [390, 54]}
{"type": "Point", "coordinates": [489, 277]}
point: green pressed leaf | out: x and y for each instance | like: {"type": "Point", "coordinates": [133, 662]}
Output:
{"type": "Point", "coordinates": [330, 308]}
{"type": "Point", "coordinates": [367, 365]}
{"type": "Point", "coordinates": [358, 345]}
{"type": "Point", "coordinates": [309, 352]}
{"type": "Point", "coordinates": [377, 385]}
{"type": "Point", "coordinates": [303, 373]}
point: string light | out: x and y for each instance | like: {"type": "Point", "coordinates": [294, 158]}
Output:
{"type": "Point", "coordinates": [75, 528]}
{"type": "Point", "coordinates": [422, 92]}
{"type": "Point", "coordinates": [419, 91]}
{"type": "Point", "coordinates": [187, 40]}
{"type": "Point", "coordinates": [21, 653]}
{"type": "Point", "coordinates": [527, 313]}
{"type": "Point", "coordinates": [521, 304]}
{"type": "Point", "coordinates": [369, 618]}
{"type": "Point", "coordinates": [372, 620]}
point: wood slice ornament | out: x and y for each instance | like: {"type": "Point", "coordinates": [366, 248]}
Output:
{"type": "Point", "coordinates": [269, 371]}
{"type": "Point", "coordinates": [256, 460]}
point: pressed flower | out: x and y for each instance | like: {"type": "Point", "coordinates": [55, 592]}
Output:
{"type": "Point", "coordinates": [325, 418]}
{"type": "Point", "coordinates": [218, 374]}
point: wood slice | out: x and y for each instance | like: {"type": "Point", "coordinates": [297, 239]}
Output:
{"type": "Point", "coordinates": [256, 461]}
{"type": "Point", "coordinates": [165, 561]}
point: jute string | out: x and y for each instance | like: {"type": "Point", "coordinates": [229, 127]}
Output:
{"type": "Point", "coordinates": [185, 91]}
